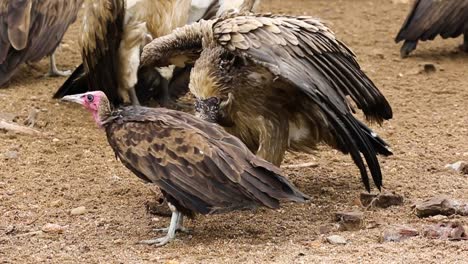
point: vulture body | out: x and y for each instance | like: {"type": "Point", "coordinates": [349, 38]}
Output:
{"type": "Point", "coordinates": [198, 166]}
{"type": "Point", "coordinates": [430, 18]}
{"type": "Point", "coordinates": [113, 34]}
{"type": "Point", "coordinates": [31, 30]}
{"type": "Point", "coordinates": [279, 83]}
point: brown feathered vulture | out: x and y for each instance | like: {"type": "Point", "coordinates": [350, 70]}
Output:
{"type": "Point", "coordinates": [31, 30]}
{"type": "Point", "coordinates": [198, 166]}
{"type": "Point", "coordinates": [431, 18]}
{"type": "Point", "coordinates": [279, 83]}
{"type": "Point", "coordinates": [113, 33]}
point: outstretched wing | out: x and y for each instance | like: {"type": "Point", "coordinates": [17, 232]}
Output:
{"type": "Point", "coordinates": [429, 18]}
{"type": "Point", "coordinates": [31, 30]}
{"type": "Point", "coordinates": [198, 164]}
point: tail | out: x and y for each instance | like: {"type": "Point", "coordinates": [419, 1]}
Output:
{"type": "Point", "coordinates": [381, 147]}
{"type": "Point", "coordinates": [76, 83]}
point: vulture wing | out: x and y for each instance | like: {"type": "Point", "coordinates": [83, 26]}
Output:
{"type": "Point", "coordinates": [102, 32]}
{"type": "Point", "coordinates": [201, 167]}
{"type": "Point", "coordinates": [305, 53]}
{"type": "Point", "coordinates": [429, 18]}
{"type": "Point", "coordinates": [31, 30]}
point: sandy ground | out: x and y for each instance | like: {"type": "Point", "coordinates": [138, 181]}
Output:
{"type": "Point", "coordinates": [74, 166]}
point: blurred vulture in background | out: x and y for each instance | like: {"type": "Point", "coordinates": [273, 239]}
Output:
{"type": "Point", "coordinates": [198, 166]}
{"type": "Point", "coordinates": [430, 18]}
{"type": "Point", "coordinates": [31, 30]}
{"type": "Point", "coordinates": [113, 34]}
{"type": "Point", "coordinates": [279, 83]}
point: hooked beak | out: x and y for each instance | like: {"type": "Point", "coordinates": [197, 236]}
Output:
{"type": "Point", "coordinates": [76, 98]}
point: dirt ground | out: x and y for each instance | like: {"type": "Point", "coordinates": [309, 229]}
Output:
{"type": "Point", "coordinates": [74, 166]}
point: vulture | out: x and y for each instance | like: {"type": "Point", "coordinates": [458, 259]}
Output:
{"type": "Point", "coordinates": [279, 83]}
{"type": "Point", "coordinates": [31, 30]}
{"type": "Point", "coordinates": [430, 18]}
{"type": "Point", "coordinates": [113, 34]}
{"type": "Point", "coordinates": [198, 166]}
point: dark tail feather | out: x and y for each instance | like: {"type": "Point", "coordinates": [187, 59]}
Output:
{"type": "Point", "coordinates": [407, 48]}
{"type": "Point", "coordinates": [75, 84]}
{"type": "Point", "coordinates": [380, 146]}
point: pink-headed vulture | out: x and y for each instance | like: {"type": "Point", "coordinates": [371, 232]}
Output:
{"type": "Point", "coordinates": [198, 166]}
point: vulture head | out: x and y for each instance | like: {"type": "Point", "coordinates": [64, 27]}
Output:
{"type": "Point", "coordinates": [96, 102]}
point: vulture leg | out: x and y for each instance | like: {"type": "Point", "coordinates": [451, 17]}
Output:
{"type": "Point", "coordinates": [133, 97]}
{"type": "Point", "coordinates": [464, 46]}
{"type": "Point", "coordinates": [53, 71]}
{"type": "Point", "coordinates": [171, 230]}
{"type": "Point", "coordinates": [407, 48]}
{"type": "Point", "coordinates": [180, 227]}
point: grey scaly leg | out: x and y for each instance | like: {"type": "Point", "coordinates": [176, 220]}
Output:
{"type": "Point", "coordinates": [171, 231]}
{"type": "Point", "coordinates": [53, 71]}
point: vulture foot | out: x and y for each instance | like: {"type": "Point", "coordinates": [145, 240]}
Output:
{"type": "Point", "coordinates": [407, 48]}
{"type": "Point", "coordinates": [53, 71]}
{"type": "Point", "coordinates": [176, 219]}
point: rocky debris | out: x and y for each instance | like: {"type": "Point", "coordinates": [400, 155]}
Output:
{"type": "Point", "coordinates": [53, 228]}
{"type": "Point", "coordinates": [78, 210]}
{"type": "Point", "coordinates": [459, 166]}
{"type": "Point", "coordinates": [349, 221]}
{"type": "Point", "coordinates": [440, 206]}
{"type": "Point", "coordinates": [11, 155]}
{"type": "Point", "coordinates": [423, 68]}
{"type": "Point", "coordinates": [158, 207]}
{"type": "Point", "coordinates": [326, 229]}
{"type": "Point", "coordinates": [336, 240]}
{"type": "Point", "coordinates": [446, 231]}
{"type": "Point", "coordinates": [399, 233]}
{"type": "Point", "coordinates": [13, 127]}
{"type": "Point", "coordinates": [382, 200]}
{"type": "Point", "coordinates": [9, 117]}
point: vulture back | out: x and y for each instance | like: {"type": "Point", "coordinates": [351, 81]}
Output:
{"type": "Point", "coordinates": [200, 167]}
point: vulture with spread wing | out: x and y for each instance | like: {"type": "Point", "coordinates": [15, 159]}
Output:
{"type": "Point", "coordinates": [278, 83]}
{"type": "Point", "coordinates": [430, 18]}
{"type": "Point", "coordinates": [198, 166]}
{"type": "Point", "coordinates": [31, 30]}
{"type": "Point", "coordinates": [113, 34]}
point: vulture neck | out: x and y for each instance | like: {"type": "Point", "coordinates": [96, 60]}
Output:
{"type": "Point", "coordinates": [103, 112]}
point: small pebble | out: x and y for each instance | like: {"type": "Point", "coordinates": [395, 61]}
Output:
{"type": "Point", "coordinates": [337, 240]}
{"type": "Point", "coordinates": [78, 211]}
{"type": "Point", "coordinates": [11, 155]}
{"type": "Point", "coordinates": [53, 228]}
{"type": "Point", "coordinates": [399, 233]}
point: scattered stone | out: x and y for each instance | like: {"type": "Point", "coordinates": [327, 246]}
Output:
{"type": "Point", "coordinates": [327, 190]}
{"type": "Point", "coordinates": [78, 211]}
{"type": "Point", "coordinates": [373, 224]}
{"type": "Point", "coordinates": [336, 240]}
{"type": "Point", "coordinates": [437, 218]}
{"type": "Point", "coordinates": [158, 207]}
{"type": "Point", "coordinates": [382, 200]}
{"type": "Point", "coordinates": [56, 203]}
{"type": "Point", "coordinates": [428, 67]}
{"type": "Point", "coordinates": [449, 230]}
{"type": "Point", "coordinates": [349, 221]}
{"type": "Point", "coordinates": [53, 228]}
{"type": "Point", "coordinates": [459, 166]}
{"type": "Point", "coordinates": [325, 229]}
{"type": "Point", "coordinates": [399, 233]}
{"type": "Point", "coordinates": [55, 140]}
{"type": "Point", "coordinates": [11, 155]}
{"type": "Point", "coordinates": [435, 206]}
{"type": "Point", "coordinates": [13, 127]}
{"type": "Point", "coordinates": [400, 1]}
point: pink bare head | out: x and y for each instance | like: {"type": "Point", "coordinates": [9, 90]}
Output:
{"type": "Point", "coordinates": [96, 102]}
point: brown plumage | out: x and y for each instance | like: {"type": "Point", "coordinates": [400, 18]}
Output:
{"type": "Point", "coordinates": [428, 19]}
{"type": "Point", "coordinates": [31, 30]}
{"type": "Point", "coordinates": [113, 33]}
{"type": "Point", "coordinates": [278, 83]}
{"type": "Point", "coordinates": [198, 166]}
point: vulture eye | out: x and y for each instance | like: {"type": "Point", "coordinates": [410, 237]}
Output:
{"type": "Point", "coordinates": [90, 98]}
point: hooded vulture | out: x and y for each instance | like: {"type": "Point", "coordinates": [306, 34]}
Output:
{"type": "Point", "coordinates": [113, 34]}
{"type": "Point", "coordinates": [31, 30]}
{"type": "Point", "coordinates": [430, 18]}
{"type": "Point", "coordinates": [198, 166]}
{"type": "Point", "coordinates": [279, 83]}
